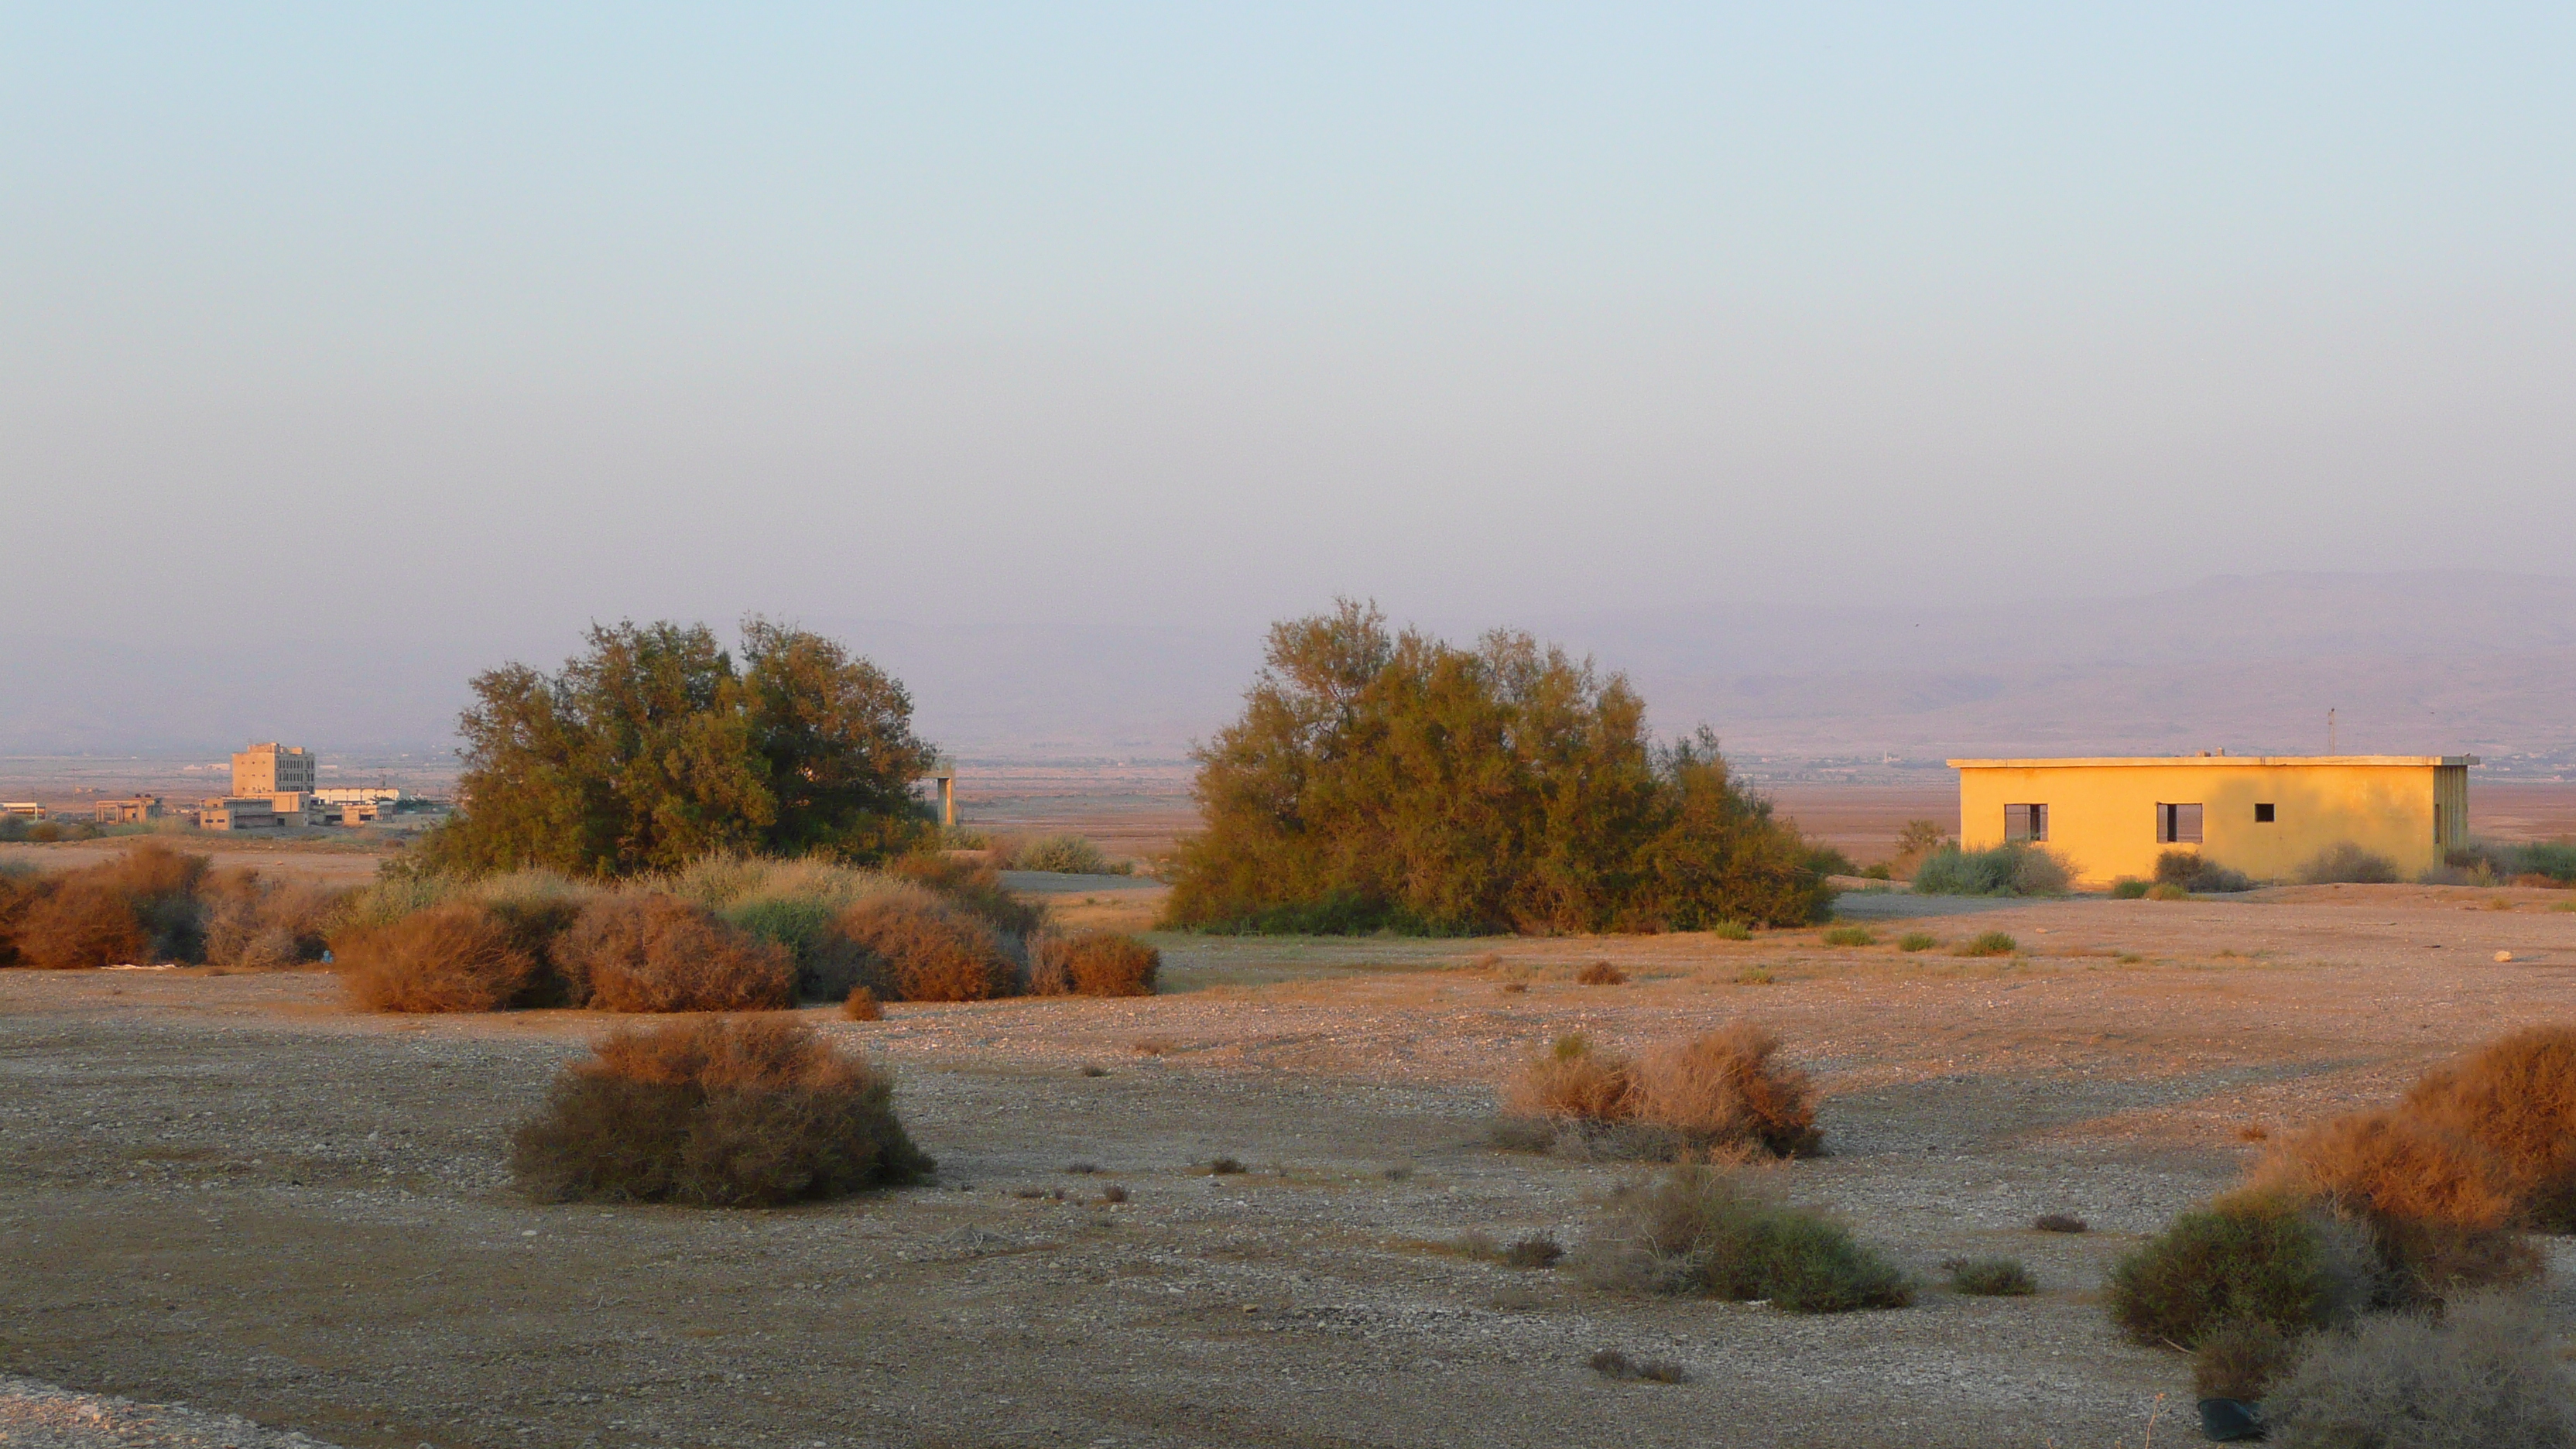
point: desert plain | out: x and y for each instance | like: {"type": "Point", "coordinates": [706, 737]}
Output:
{"type": "Point", "coordinates": [236, 1193]}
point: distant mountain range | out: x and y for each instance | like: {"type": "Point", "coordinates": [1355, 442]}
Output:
{"type": "Point", "coordinates": [2434, 662]}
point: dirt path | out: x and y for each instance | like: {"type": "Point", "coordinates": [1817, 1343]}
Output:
{"type": "Point", "coordinates": [230, 1192]}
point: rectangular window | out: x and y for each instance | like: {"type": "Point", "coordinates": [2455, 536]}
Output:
{"type": "Point", "coordinates": [2025, 822]}
{"type": "Point", "coordinates": [2177, 824]}
{"type": "Point", "coordinates": [2262, 814]}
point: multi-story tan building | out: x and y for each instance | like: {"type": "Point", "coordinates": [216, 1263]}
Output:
{"type": "Point", "coordinates": [274, 769]}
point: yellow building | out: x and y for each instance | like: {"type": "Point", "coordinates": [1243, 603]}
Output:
{"type": "Point", "coordinates": [2265, 815]}
{"type": "Point", "coordinates": [273, 769]}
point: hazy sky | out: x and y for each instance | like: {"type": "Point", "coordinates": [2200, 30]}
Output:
{"type": "Point", "coordinates": [454, 323]}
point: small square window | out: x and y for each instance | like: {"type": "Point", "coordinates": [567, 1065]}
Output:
{"type": "Point", "coordinates": [2263, 814]}
{"type": "Point", "coordinates": [2025, 822]}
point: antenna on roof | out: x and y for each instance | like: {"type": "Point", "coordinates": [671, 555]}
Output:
{"type": "Point", "coordinates": [2330, 739]}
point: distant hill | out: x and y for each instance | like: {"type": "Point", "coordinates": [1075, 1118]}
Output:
{"type": "Point", "coordinates": [2413, 663]}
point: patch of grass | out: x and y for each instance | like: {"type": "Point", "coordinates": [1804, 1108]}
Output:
{"type": "Point", "coordinates": [1224, 1167]}
{"type": "Point", "coordinates": [1515, 988]}
{"type": "Point", "coordinates": [1755, 976]}
{"type": "Point", "coordinates": [1610, 1363]}
{"type": "Point", "coordinates": [2059, 1223]}
{"type": "Point", "coordinates": [1989, 1277]}
{"type": "Point", "coordinates": [2165, 890]}
{"type": "Point", "coordinates": [715, 1112]}
{"type": "Point", "coordinates": [1987, 943]}
{"type": "Point", "coordinates": [2127, 958]}
{"type": "Point", "coordinates": [1850, 936]}
{"type": "Point", "coordinates": [1701, 1232]}
{"type": "Point", "coordinates": [1113, 1193]}
{"type": "Point", "coordinates": [1601, 973]}
{"type": "Point", "coordinates": [2128, 888]}
{"type": "Point", "coordinates": [1063, 855]}
{"type": "Point", "coordinates": [1153, 1046]}
{"type": "Point", "coordinates": [1917, 941]}
{"type": "Point", "coordinates": [1095, 1071]}
{"type": "Point", "coordinates": [1731, 931]}
{"type": "Point", "coordinates": [2486, 1372]}
{"type": "Point", "coordinates": [1092, 963]}
{"type": "Point", "coordinates": [1528, 1251]}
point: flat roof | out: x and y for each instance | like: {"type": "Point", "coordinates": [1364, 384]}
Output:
{"type": "Point", "coordinates": [2117, 762]}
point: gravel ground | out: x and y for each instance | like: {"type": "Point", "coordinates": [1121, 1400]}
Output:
{"type": "Point", "coordinates": [231, 1192]}
{"type": "Point", "coordinates": [41, 1416]}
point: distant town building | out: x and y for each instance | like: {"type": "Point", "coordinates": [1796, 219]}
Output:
{"type": "Point", "coordinates": [240, 812]}
{"type": "Point", "coordinates": [273, 769]}
{"type": "Point", "coordinates": [25, 809]}
{"type": "Point", "coordinates": [133, 811]}
{"type": "Point", "coordinates": [2264, 815]}
{"type": "Point", "coordinates": [359, 795]}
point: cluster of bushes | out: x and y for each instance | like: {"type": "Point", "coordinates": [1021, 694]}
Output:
{"type": "Point", "coordinates": [715, 1112]}
{"type": "Point", "coordinates": [1378, 781]}
{"type": "Point", "coordinates": [2015, 869]}
{"type": "Point", "coordinates": [1706, 1233]}
{"type": "Point", "coordinates": [1721, 1095]}
{"type": "Point", "coordinates": [724, 934]}
{"type": "Point", "coordinates": [2550, 863]}
{"type": "Point", "coordinates": [2394, 1211]}
{"type": "Point", "coordinates": [154, 904]}
{"type": "Point", "coordinates": [1062, 855]}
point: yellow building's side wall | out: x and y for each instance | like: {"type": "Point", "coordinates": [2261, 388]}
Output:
{"type": "Point", "coordinates": [2102, 819]}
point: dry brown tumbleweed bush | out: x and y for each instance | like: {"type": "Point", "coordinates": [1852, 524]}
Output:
{"type": "Point", "coordinates": [81, 924]}
{"type": "Point", "coordinates": [862, 1005]}
{"type": "Point", "coordinates": [1091, 963]}
{"type": "Point", "coordinates": [1601, 973]}
{"type": "Point", "coordinates": [456, 957]}
{"type": "Point", "coordinates": [918, 950]}
{"type": "Point", "coordinates": [654, 952]}
{"type": "Point", "coordinates": [1712, 1095]}
{"type": "Point", "coordinates": [2516, 1098]}
{"type": "Point", "coordinates": [715, 1112]}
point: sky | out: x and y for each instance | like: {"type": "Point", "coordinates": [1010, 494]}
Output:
{"type": "Point", "coordinates": [448, 329]}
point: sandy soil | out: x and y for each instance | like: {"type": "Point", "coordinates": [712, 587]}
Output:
{"type": "Point", "coordinates": [231, 1192]}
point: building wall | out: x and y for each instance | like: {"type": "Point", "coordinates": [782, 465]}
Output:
{"type": "Point", "coordinates": [273, 768]}
{"type": "Point", "coordinates": [2102, 817]}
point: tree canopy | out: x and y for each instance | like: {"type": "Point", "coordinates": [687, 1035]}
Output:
{"type": "Point", "coordinates": [1381, 780]}
{"type": "Point", "coordinates": [654, 748]}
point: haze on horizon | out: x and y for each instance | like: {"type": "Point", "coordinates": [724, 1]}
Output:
{"type": "Point", "coordinates": [419, 338]}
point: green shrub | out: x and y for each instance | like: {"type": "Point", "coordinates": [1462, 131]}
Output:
{"type": "Point", "coordinates": [1377, 781]}
{"type": "Point", "coordinates": [1731, 931]}
{"type": "Point", "coordinates": [716, 1112]}
{"type": "Point", "coordinates": [2487, 1372]}
{"type": "Point", "coordinates": [2244, 1259]}
{"type": "Point", "coordinates": [1850, 936]}
{"type": "Point", "coordinates": [2005, 870]}
{"type": "Point", "coordinates": [2345, 862]}
{"type": "Point", "coordinates": [1917, 941]}
{"type": "Point", "coordinates": [2128, 888]}
{"type": "Point", "coordinates": [1986, 943]}
{"type": "Point", "coordinates": [1062, 855]}
{"type": "Point", "coordinates": [1701, 1232]}
{"type": "Point", "coordinates": [2194, 872]}
{"type": "Point", "coordinates": [1990, 1277]}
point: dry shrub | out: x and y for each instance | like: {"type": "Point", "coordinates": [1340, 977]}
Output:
{"type": "Point", "coordinates": [19, 892]}
{"type": "Point", "coordinates": [653, 952]}
{"type": "Point", "coordinates": [715, 1112]}
{"type": "Point", "coordinates": [1091, 963]}
{"type": "Point", "coordinates": [1703, 1232]}
{"type": "Point", "coordinates": [918, 950]}
{"type": "Point", "coordinates": [1601, 973]}
{"type": "Point", "coordinates": [2058, 1223]}
{"type": "Point", "coordinates": [81, 924]}
{"type": "Point", "coordinates": [2240, 1360]}
{"type": "Point", "coordinates": [972, 886]}
{"type": "Point", "coordinates": [257, 924]}
{"type": "Point", "coordinates": [461, 956]}
{"type": "Point", "coordinates": [862, 1005]}
{"type": "Point", "coordinates": [1715, 1095]}
{"type": "Point", "coordinates": [2516, 1099]}
{"type": "Point", "coordinates": [2345, 862]}
{"type": "Point", "coordinates": [1610, 1363]}
{"type": "Point", "coordinates": [2486, 1373]}
{"type": "Point", "coordinates": [2438, 1205]}
{"type": "Point", "coordinates": [1990, 1277]}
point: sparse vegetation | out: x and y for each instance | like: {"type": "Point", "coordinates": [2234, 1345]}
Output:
{"type": "Point", "coordinates": [1600, 973]}
{"type": "Point", "coordinates": [1378, 781]}
{"type": "Point", "coordinates": [2196, 873]}
{"type": "Point", "coordinates": [1721, 1093]}
{"type": "Point", "coordinates": [2128, 888]}
{"type": "Point", "coordinates": [1850, 936]}
{"type": "Point", "coordinates": [1917, 941]}
{"type": "Point", "coordinates": [1731, 931]}
{"type": "Point", "coordinates": [1610, 1363]}
{"type": "Point", "coordinates": [2005, 870]}
{"type": "Point", "coordinates": [1986, 943]}
{"type": "Point", "coordinates": [2059, 1223]}
{"type": "Point", "coordinates": [1917, 841]}
{"type": "Point", "coordinates": [2165, 890]}
{"type": "Point", "coordinates": [2348, 863]}
{"type": "Point", "coordinates": [1092, 963]}
{"type": "Point", "coordinates": [1062, 855]}
{"type": "Point", "coordinates": [1703, 1232]}
{"type": "Point", "coordinates": [1989, 1277]}
{"type": "Point", "coordinates": [715, 1112]}
{"type": "Point", "coordinates": [2486, 1372]}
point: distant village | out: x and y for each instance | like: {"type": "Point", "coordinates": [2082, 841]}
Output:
{"type": "Point", "coordinates": [274, 786]}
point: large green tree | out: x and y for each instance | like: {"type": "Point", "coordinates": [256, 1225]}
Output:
{"type": "Point", "coordinates": [654, 748]}
{"type": "Point", "coordinates": [1378, 779]}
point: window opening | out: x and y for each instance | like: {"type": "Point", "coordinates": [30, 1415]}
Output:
{"type": "Point", "coordinates": [2177, 824]}
{"type": "Point", "coordinates": [2025, 822]}
{"type": "Point", "coordinates": [2263, 814]}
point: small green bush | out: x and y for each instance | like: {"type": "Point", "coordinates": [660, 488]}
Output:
{"type": "Point", "coordinates": [1987, 943]}
{"type": "Point", "coordinates": [1917, 941]}
{"type": "Point", "coordinates": [1061, 855]}
{"type": "Point", "coordinates": [2194, 872]}
{"type": "Point", "coordinates": [2239, 1260]}
{"type": "Point", "coordinates": [2005, 870]}
{"type": "Point", "coordinates": [1702, 1232]}
{"type": "Point", "coordinates": [1731, 931]}
{"type": "Point", "coordinates": [2347, 863]}
{"type": "Point", "coordinates": [1850, 936]}
{"type": "Point", "coordinates": [2165, 890]}
{"type": "Point", "coordinates": [1990, 1277]}
{"type": "Point", "coordinates": [2128, 888]}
